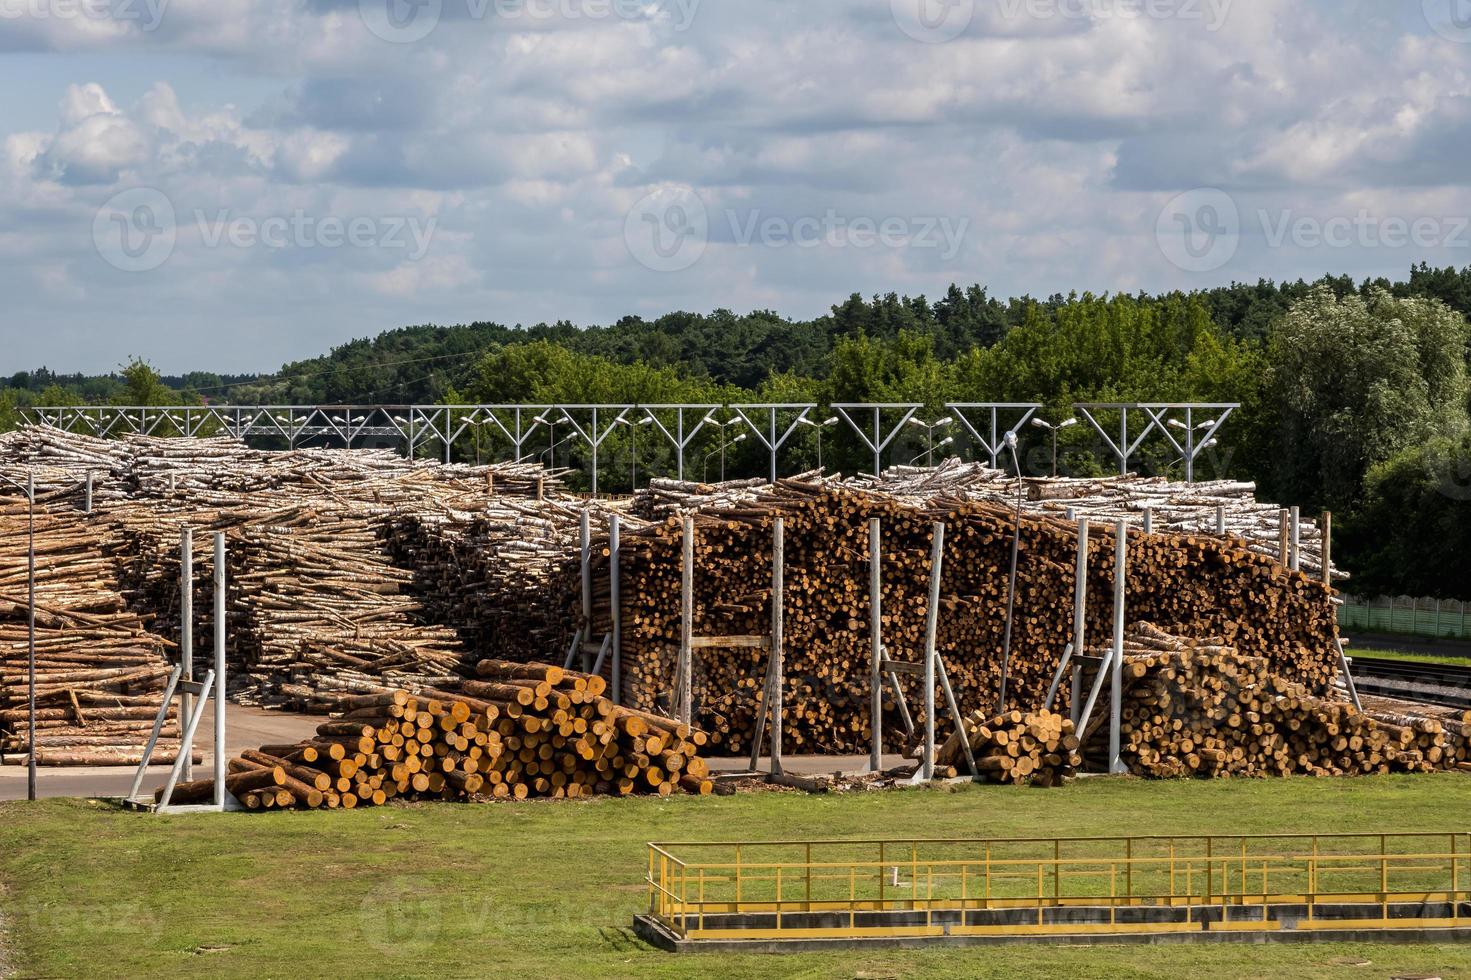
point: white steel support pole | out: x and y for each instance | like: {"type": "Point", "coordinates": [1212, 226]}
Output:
{"type": "Point", "coordinates": [88, 501]}
{"type": "Point", "coordinates": [615, 599]}
{"type": "Point", "coordinates": [219, 672]}
{"type": "Point", "coordinates": [778, 653]}
{"type": "Point", "coordinates": [585, 567]}
{"type": "Point", "coordinates": [1295, 559]}
{"type": "Point", "coordinates": [876, 644]}
{"type": "Point", "coordinates": [1080, 608]}
{"type": "Point", "coordinates": [683, 708]}
{"type": "Point", "coordinates": [186, 634]}
{"type": "Point", "coordinates": [1116, 708]}
{"type": "Point", "coordinates": [932, 616]}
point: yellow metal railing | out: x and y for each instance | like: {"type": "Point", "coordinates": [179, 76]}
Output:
{"type": "Point", "coordinates": [835, 887]}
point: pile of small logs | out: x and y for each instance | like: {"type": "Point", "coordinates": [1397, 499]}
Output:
{"type": "Point", "coordinates": [1039, 748]}
{"type": "Point", "coordinates": [1178, 508]}
{"type": "Point", "coordinates": [497, 574]}
{"type": "Point", "coordinates": [100, 671]}
{"type": "Point", "coordinates": [1191, 583]}
{"type": "Point", "coordinates": [1198, 707]}
{"type": "Point", "coordinates": [518, 732]}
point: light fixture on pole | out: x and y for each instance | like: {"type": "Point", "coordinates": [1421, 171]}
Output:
{"type": "Point", "coordinates": [29, 489]}
{"type": "Point", "coordinates": [1054, 429]}
{"type": "Point", "coordinates": [633, 463]}
{"type": "Point", "coordinates": [1192, 450]}
{"type": "Point", "coordinates": [930, 427]}
{"type": "Point", "coordinates": [705, 468]}
{"type": "Point", "coordinates": [948, 440]}
{"type": "Point", "coordinates": [819, 426]}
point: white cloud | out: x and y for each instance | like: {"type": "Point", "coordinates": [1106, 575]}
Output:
{"type": "Point", "coordinates": [1056, 139]}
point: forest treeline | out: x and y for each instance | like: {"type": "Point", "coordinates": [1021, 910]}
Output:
{"type": "Point", "coordinates": [1354, 394]}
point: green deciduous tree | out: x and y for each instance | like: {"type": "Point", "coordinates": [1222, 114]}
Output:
{"type": "Point", "coordinates": [1355, 381]}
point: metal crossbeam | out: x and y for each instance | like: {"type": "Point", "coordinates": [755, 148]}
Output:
{"type": "Point", "coordinates": [1158, 414]}
{"type": "Point", "coordinates": [879, 442]}
{"type": "Point", "coordinates": [993, 439]}
{"type": "Point", "coordinates": [775, 442]}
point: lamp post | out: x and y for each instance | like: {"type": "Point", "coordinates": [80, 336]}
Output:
{"type": "Point", "coordinates": [819, 426]}
{"type": "Point", "coordinates": [30, 491]}
{"type": "Point", "coordinates": [929, 452]}
{"type": "Point", "coordinates": [552, 451]}
{"type": "Point", "coordinates": [552, 443]}
{"type": "Point", "coordinates": [633, 463]}
{"type": "Point", "coordinates": [1054, 429]}
{"type": "Point", "coordinates": [705, 469]}
{"type": "Point", "coordinates": [1190, 448]}
{"type": "Point", "coordinates": [929, 428]}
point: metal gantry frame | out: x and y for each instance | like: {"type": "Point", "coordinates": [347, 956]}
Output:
{"type": "Point", "coordinates": [1159, 415]}
{"type": "Point", "coordinates": [680, 438]}
{"type": "Point", "coordinates": [774, 442]}
{"type": "Point", "coordinates": [879, 441]}
{"type": "Point", "coordinates": [993, 438]}
{"type": "Point", "coordinates": [989, 424]}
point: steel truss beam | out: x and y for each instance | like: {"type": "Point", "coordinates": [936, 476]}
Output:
{"type": "Point", "coordinates": [774, 443]}
{"type": "Point", "coordinates": [879, 442]}
{"type": "Point", "coordinates": [994, 440]}
{"type": "Point", "coordinates": [1159, 415]}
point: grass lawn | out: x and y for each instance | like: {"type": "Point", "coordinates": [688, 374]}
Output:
{"type": "Point", "coordinates": [1380, 653]}
{"type": "Point", "coordinates": [547, 890]}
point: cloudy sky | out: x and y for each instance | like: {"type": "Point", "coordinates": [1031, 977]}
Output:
{"type": "Point", "coordinates": [229, 184]}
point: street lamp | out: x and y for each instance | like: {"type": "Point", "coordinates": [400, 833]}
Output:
{"type": "Point", "coordinates": [551, 424]}
{"type": "Point", "coordinates": [30, 491]}
{"type": "Point", "coordinates": [819, 426]}
{"type": "Point", "coordinates": [948, 440]}
{"type": "Point", "coordinates": [1191, 451]}
{"type": "Point", "coordinates": [633, 464]}
{"type": "Point", "coordinates": [705, 469]}
{"type": "Point", "coordinates": [930, 427]}
{"type": "Point", "coordinates": [552, 450]}
{"type": "Point", "coordinates": [1054, 429]}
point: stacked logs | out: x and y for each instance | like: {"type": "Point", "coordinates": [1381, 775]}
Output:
{"type": "Point", "coordinates": [1037, 748]}
{"type": "Point", "coordinates": [1198, 707]}
{"type": "Point", "coordinates": [1179, 508]}
{"type": "Point", "coordinates": [100, 671]}
{"type": "Point", "coordinates": [518, 732]}
{"type": "Point", "coordinates": [496, 574]}
{"type": "Point", "coordinates": [1194, 584]}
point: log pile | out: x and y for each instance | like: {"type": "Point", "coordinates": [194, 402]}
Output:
{"type": "Point", "coordinates": [1174, 507]}
{"type": "Point", "coordinates": [100, 671]}
{"type": "Point", "coordinates": [1037, 748]}
{"type": "Point", "coordinates": [517, 732]}
{"type": "Point", "coordinates": [1199, 707]}
{"type": "Point", "coordinates": [1194, 584]}
{"type": "Point", "coordinates": [498, 574]}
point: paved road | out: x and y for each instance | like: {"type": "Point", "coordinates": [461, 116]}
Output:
{"type": "Point", "coordinates": [245, 728]}
{"type": "Point", "coordinates": [248, 728]}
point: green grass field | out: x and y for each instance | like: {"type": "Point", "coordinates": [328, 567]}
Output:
{"type": "Point", "coordinates": [549, 889]}
{"type": "Point", "coordinates": [1382, 653]}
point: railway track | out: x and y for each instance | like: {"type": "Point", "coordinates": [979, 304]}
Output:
{"type": "Point", "coordinates": [1431, 683]}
